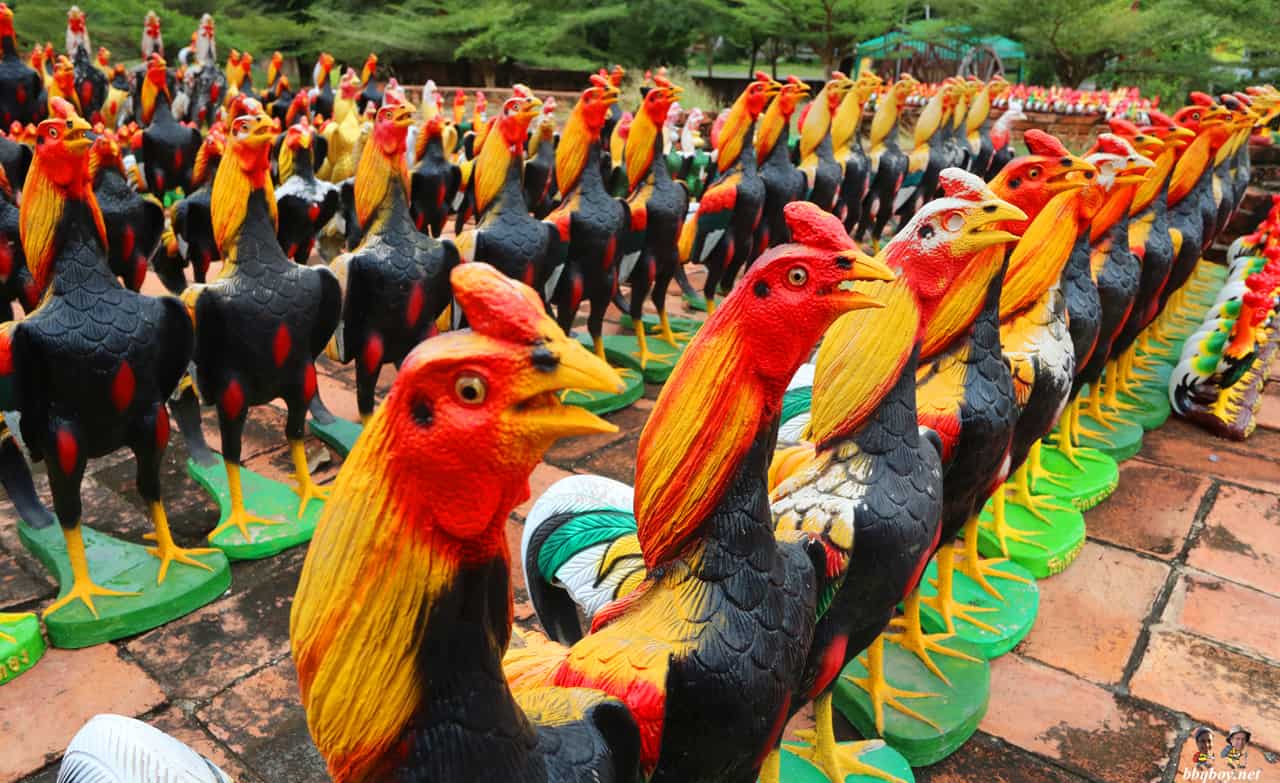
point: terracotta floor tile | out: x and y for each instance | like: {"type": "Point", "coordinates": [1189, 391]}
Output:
{"type": "Point", "coordinates": [67, 688]}
{"type": "Point", "coordinates": [1151, 510]}
{"type": "Point", "coordinates": [1091, 614]}
{"type": "Point", "coordinates": [1076, 723]}
{"type": "Point", "coordinates": [1227, 612]}
{"type": "Point", "coordinates": [1241, 539]}
{"type": "Point", "coordinates": [199, 655]}
{"type": "Point", "coordinates": [339, 396]}
{"type": "Point", "coordinates": [988, 760]}
{"type": "Point", "coordinates": [1269, 413]}
{"type": "Point", "coordinates": [17, 586]}
{"type": "Point", "coordinates": [617, 462]}
{"type": "Point", "coordinates": [262, 721]}
{"type": "Point", "coordinates": [1210, 683]}
{"type": "Point", "coordinates": [543, 477]}
{"type": "Point", "coordinates": [185, 728]}
{"type": "Point", "coordinates": [1182, 445]}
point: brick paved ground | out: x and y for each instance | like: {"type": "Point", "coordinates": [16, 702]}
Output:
{"type": "Point", "coordinates": [1170, 618]}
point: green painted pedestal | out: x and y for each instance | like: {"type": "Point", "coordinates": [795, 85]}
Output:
{"type": "Point", "coordinates": [120, 565]}
{"type": "Point", "coordinates": [1012, 618]}
{"type": "Point", "coordinates": [798, 770]}
{"type": "Point", "coordinates": [1120, 444]}
{"type": "Point", "coordinates": [651, 325]}
{"type": "Point", "coordinates": [262, 497]}
{"type": "Point", "coordinates": [1085, 486]}
{"type": "Point", "coordinates": [622, 349]}
{"type": "Point", "coordinates": [956, 709]}
{"type": "Point", "coordinates": [26, 647]}
{"type": "Point", "coordinates": [1152, 400]}
{"type": "Point", "coordinates": [1053, 545]}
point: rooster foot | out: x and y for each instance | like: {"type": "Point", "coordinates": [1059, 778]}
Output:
{"type": "Point", "coordinates": [241, 519]}
{"type": "Point", "coordinates": [84, 590]}
{"type": "Point", "coordinates": [307, 491]}
{"type": "Point", "coordinates": [921, 644]}
{"type": "Point", "coordinates": [168, 552]}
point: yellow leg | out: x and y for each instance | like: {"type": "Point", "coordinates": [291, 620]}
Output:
{"type": "Point", "coordinates": [598, 344]}
{"type": "Point", "coordinates": [239, 517]}
{"type": "Point", "coordinates": [643, 354]}
{"type": "Point", "coordinates": [307, 489]}
{"type": "Point", "coordinates": [1115, 382]}
{"type": "Point", "coordinates": [1067, 428]}
{"type": "Point", "coordinates": [881, 692]}
{"type": "Point", "coordinates": [168, 551]}
{"type": "Point", "coordinates": [974, 566]}
{"type": "Point", "coordinates": [911, 636]}
{"type": "Point", "coordinates": [1096, 412]}
{"type": "Point", "coordinates": [711, 305]}
{"type": "Point", "coordinates": [970, 563]}
{"type": "Point", "coordinates": [668, 336]}
{"type": "Point", "coordinates": [771, 770]}
{"type": "Point", "coordinates": [1020, 487]}
{"type": "Point", "coordinates": [82, 587]}
{"type": "Point", "coordinates": [365, 418]}
{"type": "Point", "coordinates": [839, 762]}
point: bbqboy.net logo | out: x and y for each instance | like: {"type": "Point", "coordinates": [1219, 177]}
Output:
{"type": "Point", "coordinates": [1193, 773]}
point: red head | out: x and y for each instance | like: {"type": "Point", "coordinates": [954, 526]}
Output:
{"type": "Point", "coordinates": [616, 75]}
{"type": "Point", "coordinates": [735, 372]}
{"type": "Point", "coordinates": [791, 94]}
{"type": "Point", "coordinates": [391, 126]}
{"type": "Point", "coordinates": [370, 68]}
{"type": "Point", "coordinates": [323, 66]}
{"type": "Point", "coordinates": [758, 93]}
{"type": "Point", "coordinates": [249, 142]}
{"type": "Point", "coordinates": [105, 152]}
{"type": "Point", "coordinates": [658, 100]}
{"type": "Point", "coordinates": [349, 84]}
{"type": "Point", "coordinates": [64, 75]}
{"type": "Point", "coordinates": [76, 20]}
{"type": "Point", "coordinates": [299, 136]}
{"type": "Point", "coordinates": [151, 25]}
{"type": "Point", "coordinates": [299, 107]}
{"type": "Point", "coordinates": [518, 112]}
{"type": "Point", "coordinates": [593, 104]}
{"type": "Point", "coordinates": [1029, 182]}
{"type": "Point", "coordinates": [6, 21]}
{"type": "Point", "coordinates": [104, 57]}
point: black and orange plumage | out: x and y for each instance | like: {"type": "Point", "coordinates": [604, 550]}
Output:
{"type": "Point", "coordinates": [193, 216]}
{"type": "Point", "coordinates": [783, 181]}
{"type": "Point", "coordinates": [16, 282]}
{"type": "Point", "coordinates": [168, 147]}
{"type": "Point", "coordinates": [263, 320]}
{"type": "Point", "coordinates": [22, 97]}
{"type": "Point", "coordinates": [590, 220]}
{"type": "Point", "coordinates": [888, 162]}
{"type": "Point", "coordinates": [396, 282]}
{"type": "Point", "coordinates": [134, 222]}
{"type": "Point", "coordinates": [305, 204]}
{"type": "Point", "coordinates": [435, 179]}
{"type": "Point", "coordinates": [823, 173]}
{"type": "Point", "coordinates": [709, 649]}
{"type": "Point", "coordinates": [91, 367]}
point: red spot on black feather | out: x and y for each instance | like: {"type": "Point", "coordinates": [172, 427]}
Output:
{"type": "Point", "coordinates": [281, 345]}
{"type": "Point", "coordinates": [162, 428]}
{"type": "Point", "coordinates": [68, 450]}
{"type": "Point", "coordinates": [309, 382]}
{"type": "Point", "coordinates": [413, 310]}
{"type": "Point", "coordinates": [232, 401]}
{"type": "Point", "coordinates": [128, 241]}
{"type": "Point", "coordinates": [123, 387]}
{"type": "Point", "coordinates": [372, 356]}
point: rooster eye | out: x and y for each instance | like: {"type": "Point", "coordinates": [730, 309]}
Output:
{"type": "Point", "coordinates": [926, 231]}
{"type": "Point", "coordinates": [470, 388]}
{"type": "Point", "coordinates": [797, 276]}
{"type": "Point", "coordinates": [1033, 173]}
{"type": "Point", "coordinates": [53, 133]}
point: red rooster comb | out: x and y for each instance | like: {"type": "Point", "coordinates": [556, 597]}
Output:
{"type": "Point", "coordinates": [813, 226]}
{"type": "Point", "coordinates": [1201, 99]}
{"type": "Point", "coordinates": [1114, 145]}
{"type": "Point", "coordinates": [59, 111]}
{"type": "Point", "coordinates": [496, 305]}
{"type": "Point", "coordinates": [958, 183]}
{"type": "Point", "coordinates": [1044, 144]}
{"type": "Point", "coordinates": [597, 80]}
{"type": "Point", "coordinates": [1123, 127]}
{"type": "Point", "coordinates": [761, 76]}
{"type": "Point", "coordinates": [1159, 118]}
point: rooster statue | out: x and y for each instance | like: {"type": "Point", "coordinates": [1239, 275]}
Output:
{"type": "Point", "coordinates": [657, 205]}
{"type": "Point", "coordinates": [22, 97]}
{"type": "Point", "coordinates": [304, 203]}
{"type": "Point", "coordinates": [321, 92]}
{"type": "Point", "coordinates": [134, 223]}
{"type": "Point", "coordinates": [435, 179]}
{"type": "Point", "coordinates": [90, 81]}
{"type": "Point", "coordinates": [168, 147]}
{"type": "Point", "coordinates": [589, 219]}
{"type": "Point", "coordinates": [888, 161]}
{"type": "Point", "coordinates": [978, 125]}
{"type": "Point", "coordinates": [204, 82]}
{"type": "Point", "coordinates": [16, 283]}
{"type": "Point", "coordinates": [259, 326]}
{"type": "Point", "coordinates": [396, 282]}
{"type": "Point", "coordinates": [721, 234]}
{"type": "Point", "coordinates": [818, 163]}
{"type": "Point", "coordinates": [506, 236]}
{"type": "Point", "coordinates": [414, 691]}
{"type": "Point", "coordinates": [865, 438]}
{"type": "Point", "coordinates": [90, 370]}
{"type": "Point", "coordinates": [848, 148]}
{"type": "Point", "coordinates": [783, 182]}
{"type": "Point", "coordinates": [192, 217]}
{"type": "Point", "coordinates": [715, 635]}
{"type": "Point", "coordinates": [540, 162]}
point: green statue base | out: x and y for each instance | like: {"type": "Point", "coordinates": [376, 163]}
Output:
{"type": "Point", "coordinates": [1084, 485]}
{"type": "Point", "coordinates": [1009, 621]}
{"type": "Point", "coordinates": [1049, 545]}
{"type": "Point", "coordinates": [953, 711]}
{"type": "Point", "coordinates": [621, 349]}
{"type": "Point", "coordinates": [884, 758]}
{"type": "Point", "coordinates": [21, 645]}
{"type": "Point", "coordinates": [652, 326]}
{"type": "Point", "coordinates": [337, 433]}
{"type": "Point", "coordinates": [1119, 441]}
{"type": "Point", "coordinates": [120, 565]}
{"type": "Point", "coordinates": [262, 497]}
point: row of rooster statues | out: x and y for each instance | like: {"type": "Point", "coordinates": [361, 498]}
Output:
{"type": "Point", "coordinates": [862, 532]}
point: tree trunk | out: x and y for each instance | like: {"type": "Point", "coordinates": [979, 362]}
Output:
{"type": "Point", "coordinates": [711, 57]}
{"type": "Point", "coordinates": [751, 68]}
{"type": "Point", "coordinates": [489, 70]}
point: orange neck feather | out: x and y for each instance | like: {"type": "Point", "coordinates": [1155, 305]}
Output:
{"type": "Point", "coordinates": [702, 426]}
{"type": "Point", "coordinates": [40, 214]}
{"type": "Point", "coordinates": [572, 151]}
{"type": "Point", "coordinates": [1037, 260]}
{"type": "Point", "coordinates": [639, 151]}
{"type": "Point", "coordinates": [959, 306]}
{"type": "Point", "coordinates": [375, 175]}
{"type": "Point", "coordinates": [490, 171]}
{"type": "Point", "coordinates": [733, 135]}
{"type": "Point", "coordinates": [228, 203]}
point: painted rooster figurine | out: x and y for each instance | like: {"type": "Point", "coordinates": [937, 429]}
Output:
{"type": "Point", "coordinates": [193, 215]}
{"type": "Point", "coordinates": [888, 161]}
{"type": "Point", "coordinates": [822, 171]}
{"type": "Point", "coordinates": [21, 87]}
{"type": "Point", "coordinates": [506, 235]}
{"type": "Point", "coordinates": [708, 649]}
{"type": "Point", "coordinates": [16, 283]}
{"type": "Point", "coordinates": [848, 149]}
{"type": "Point", "coordinates": [168, 148]}
{"type": "Point", "coordinates": [305, 204]}
{"type": "Point", "coordinates": [435, 179]}
{"type": "Point", "coordinates": [883, 521]}
{"type": "Point", "coordinates": [783, 182]}
{"type": "Point", "coordinates": [90, 369]}
{"type": "Point", "coordinates": [134, 223]}
{"type": "Point", "coordinates": [396, 282]}
{"type": "Point", "coordinates": [658, 205]}
{"type": "Point", "coordinates": [262, 322]}
{"type": "Point", "coordinates": [399, 660]}
{"type": "Point", "coordinates": [589, 219]}
{"type": "Point", "coordinates": [721, 234]}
